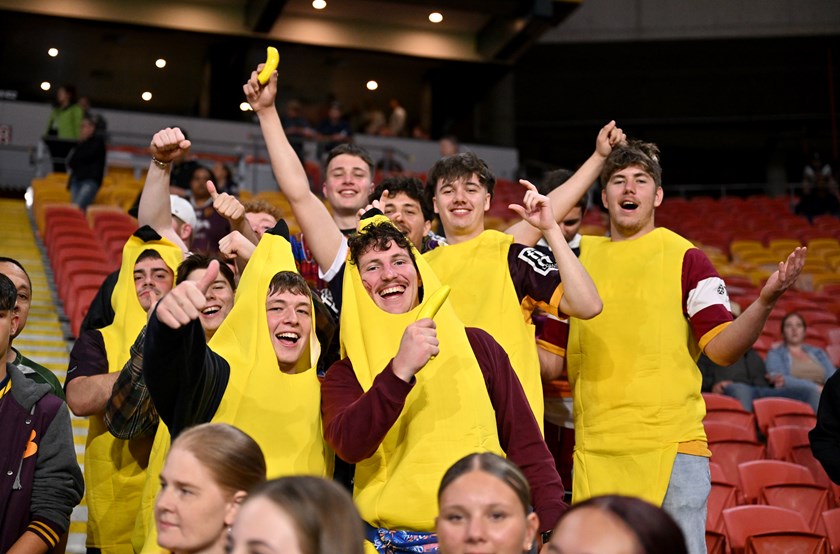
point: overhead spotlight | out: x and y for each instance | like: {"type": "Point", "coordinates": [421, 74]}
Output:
{"type": "Point", "coordinates": [319, 4]}
{"type": "Point", "coordinates": [372, 85]}
{"type": "Point", "coordinates": [435, 17]}
{"type": "Point", "coordinates": [52, 52]}
{"type": "Point", "coordinates": [45, 85]}
{"type": "Point", "coordinates": [245, 107]}
{"type": "Point", "coordinates": [146, 96]}
{"type": "Point", "coordinates": [160, 63]}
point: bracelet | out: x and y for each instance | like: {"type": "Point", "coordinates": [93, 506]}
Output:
{"type": "Point", "coordinates": [159, 163]}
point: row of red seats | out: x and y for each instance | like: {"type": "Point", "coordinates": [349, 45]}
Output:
{"type": "Point", "coordinates": [83, 253]}
{"type": "Point", "coordinates": [743, 476]}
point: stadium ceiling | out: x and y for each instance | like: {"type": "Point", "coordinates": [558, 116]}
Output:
{"type": "Point", "coordinates": [471, 30]}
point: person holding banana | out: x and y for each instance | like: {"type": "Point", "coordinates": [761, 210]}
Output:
{"type": "Point", "coordinates": [412, 395]}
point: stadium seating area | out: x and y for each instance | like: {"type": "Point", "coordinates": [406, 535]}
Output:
{"type": "Point", "coordinates": [768, 494]}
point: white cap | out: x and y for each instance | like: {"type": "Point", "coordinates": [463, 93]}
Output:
{"type": "Point", "coordinates": [182, 209]}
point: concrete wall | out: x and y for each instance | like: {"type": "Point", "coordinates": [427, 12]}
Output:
{"type": "Point", "coordinates": [27, 122]}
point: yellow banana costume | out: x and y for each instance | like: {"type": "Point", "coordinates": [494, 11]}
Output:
{"type": "Point", "coordinates": [494, 305]}
{"type": "Point", "coordinates": [282, 412]}
{"type": "Point", "coordinates": [115, 469]}
{"type": "Point", "coordinates": [447, 415]}
{"type": "Point", "coordinates": [635, 384]}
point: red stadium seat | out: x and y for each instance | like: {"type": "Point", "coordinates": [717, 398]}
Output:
{"type": "Point", "coordinates": [717, 431]}
{"type": "Point", "coordinates": [766, 409]}
{"type": "Point", "coordinates": [808, 500]}
{"type": "Point", "coordinates": [831, 523]}
{"type": "Point", "coordinates": [744, 521]}
{"type": "Point", "coordinates": [785, 542]}
{"type": "Point", "coordinates": [731, 453]}
{"type": "Point", "coordinates": [758, 474]}
{"type": "Point", "coordinates": [720, 402]}
{"type": "Point", "coordinates": [782, 439]}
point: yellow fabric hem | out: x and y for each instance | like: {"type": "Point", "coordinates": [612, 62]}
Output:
{"type": "Point", "coordinates": [553, 348]}
{"type": "Point", "coordinates": [694, 448]}
{"type": "Point", "coordinates": [707, 338]}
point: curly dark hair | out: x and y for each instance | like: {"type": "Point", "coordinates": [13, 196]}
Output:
{"type": "Point", "coordinates": [411, 186]}
{"type": "Point", "coordinates": [378, 236]}
{"type": "Point", "coordinates": [634, 153]}
{"type": "Point", "coordinates": [459, 166]}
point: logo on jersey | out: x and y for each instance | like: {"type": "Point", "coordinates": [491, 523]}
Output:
{"type": "Point", "coordinates": [541, 263]}
{"type": "Point", "coordinates": [721, 290]}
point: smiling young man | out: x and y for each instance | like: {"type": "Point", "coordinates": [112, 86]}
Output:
{"type": "Point", "coordinates": [494, 280]}
{"type": "Point", "coordinates": [256, 372]}
{"type": "Point", "coordinates": [412, 397]}
{"type": "Point", "coordinates": [636, 387]}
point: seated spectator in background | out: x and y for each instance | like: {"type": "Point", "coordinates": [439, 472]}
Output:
{"type": "Point", "coordinates": [210, 226]}
{"type": "Point", "coordinates": [206, 478]}
{"type": "Point", "coordinates": [86, 162]}
{"type": "Point", "coordinates": [616, 525]}
{"type": "Point", "coordinates": [485, 504]}
{"type": "Point", "coordinates": [333, 130]}
{"type": "Point", "coordinates": [224, 179]}
{"type": "Point", "coordinates": [449, 146]}
{"type": "Point", "coordinates": [13, 269]}
{"type": "Point", "coordinates": [825, 437]}
{"type": "Point", "coordinates": [795, 362]}
{"type": "Point", "coordinates": [114, 468]}
{"type": "Point", "coordinates": [820, 200]}
{"type": "Point", "coordinates": [43, 483]}
{"type": "Point", "coordinates": [299, 514]}
{"type": "Point", "coordinates": [373, 119]}
{"type": "Point", "coordinates": [297, 127]}
{"type": "Point", "coordinates": [412, 397]}
{"type": "Point", "coordinates": [397, 119]}
{"type": "Point", "coordinates": [815, 169]}
{"type": "Point", "coordinates": [388, 165]}
{"type": "Point", "coordinates": [747, 379]}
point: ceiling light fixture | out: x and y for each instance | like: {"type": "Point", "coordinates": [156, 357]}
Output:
{"type": "Point", "coordinates": [52, 52]}
{"type": "Point", "coordinates": [160, 63]}
{"type": "Point", "coordinates": [435, 17]}
{"type": "Point", "coordinates": [45, 85]}
{"type": "Point", "coordinates": [319, 4]}
{"type": "Point", "coordinates": [146, 96]}
{"type": "Point", "coordinates": [372, 85]}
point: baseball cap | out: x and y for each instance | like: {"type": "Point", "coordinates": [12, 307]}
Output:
{"type": "Point", "coordinates": [182, 209]}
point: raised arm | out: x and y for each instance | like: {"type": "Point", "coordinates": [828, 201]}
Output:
{"type": "Point", "coordinates": [580, 298]}
{"type": "Point", "coordinates": [564, 197]}
{"type": "Point", "coordinates": [154, 209]}
{"type": "Point", "coordinates": [322, 234]}
{"type": "Point", "coordinates": [742, 333]}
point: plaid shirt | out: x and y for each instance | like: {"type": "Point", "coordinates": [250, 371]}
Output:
{"type": "Point", "coordinates": [130, 413]}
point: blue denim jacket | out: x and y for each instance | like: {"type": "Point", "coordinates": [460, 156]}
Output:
{"type": "Point", "coordinates": [778, 360]}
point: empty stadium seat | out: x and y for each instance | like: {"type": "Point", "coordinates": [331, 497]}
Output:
{"type": "Point", "coordinates": [758, 474]}
{"type": "Point", "coordinates": [766, 409]}
{"type": "Point", "coordinates": [744, 521]}
{"type": "Point", "coordinates": [782, 439]}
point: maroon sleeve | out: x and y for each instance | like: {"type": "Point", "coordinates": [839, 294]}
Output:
{"type": "Point", "coordinates": [519, 433]}
{"type": "Point", "coordinates": [534, 275]}
{"type": "Point", "coordinates": [88, 357]}
{"type": "Point", "coordinates": [356, 422]}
